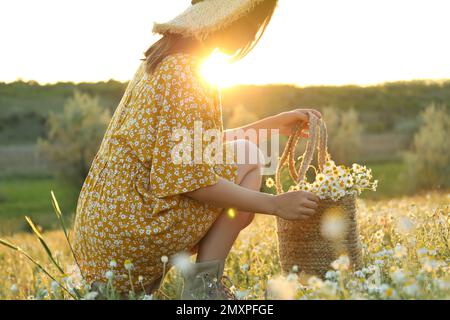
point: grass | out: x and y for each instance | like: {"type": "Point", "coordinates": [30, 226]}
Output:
{"type": "Point", "coordinates": [22, 160]}
{"type": "Point", "coordinates": [388, 175]}
{"type": "Point", "coordinates": [31, 197]}
{"type": "Point", "coordinates": [406, 250]}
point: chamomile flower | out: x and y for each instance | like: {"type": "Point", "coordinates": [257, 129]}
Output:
{"type": "Point", "coordinates": [91, 295]}
{"type": "Point", "coordinates": [241, 294]}
{"type": "Point", "coordinates": [270, 183]}
{"type": "Point", "coordinates": [315, 187]}
{"type": "Point", "coordinates": [304, 186]}
{"type": "Point", "coordinates": [341, 170]}
{"type": "Point", "coordinates": [109, 275]}
{"type": "Point", "coordinates": [315, 283]}
{"type": "Point", "coordinates": [342, 263]}
{"type": "Point", "coordinates": [430, 265]}
{"type": "Point", "coordinates": [357, 168]}
{"type": "Point", "coordinates": [292, 277]}
{"type": "Point", "coordinates": [329, 164]}
{"type": "Point", "coordinates": [182, 261]}
{"type": "Point", "coordinates": [323, 190]}
{"type": "Point", "coordinates": [54, 286]}
{"type": "Point", "coordinates": [364, 182]}
{"type": "Point", "coordinates": [348, 181]}
{"type": "Point", "coordinates": [113, 264]}
{"type": "Point", "coordinates": [398, 276]}
{"type": "Point", "coordinates": [399, 251]}
{"type": "Point", "coordinates": [405, 225]}
{"type": "Point", "coordinates": [412, 289]}
{"type": "Point", "coordinates": [14, 289]}
{"type": "Point", "coordinates": [128, 265]}
{"type": "Point", "coordinates": [422, 251]}
{"type": "Point", "coordinates": [387, 292]}
{"type": "Point", "coordinates": [320, 178]}
{"type": "Point", "coordinates": [331, 275]}
{"type": "Point", "coordinates": [374, 185]}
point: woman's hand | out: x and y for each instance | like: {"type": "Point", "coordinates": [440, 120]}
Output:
{"type": "Point", "coordinates": [286, 121]}
{"type": "Point", "coordinates": [295, 205]}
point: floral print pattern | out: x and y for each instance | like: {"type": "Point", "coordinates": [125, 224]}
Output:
{"type": "Point", "coordinates": [131, 205]}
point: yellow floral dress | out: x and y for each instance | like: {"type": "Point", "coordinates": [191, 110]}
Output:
{"type": "Point", "coordinates": [131, 206]}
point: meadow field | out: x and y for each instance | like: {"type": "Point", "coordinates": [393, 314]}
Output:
{"type": "Point", "coordinates": [406, 250]}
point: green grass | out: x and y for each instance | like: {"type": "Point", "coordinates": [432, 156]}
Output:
{"type": "Point", "coordinates": [23, 161]}
{"type": "Point", "coordinates": [388, 175]}
{"type": "Point", "coordinates": [31, 197]}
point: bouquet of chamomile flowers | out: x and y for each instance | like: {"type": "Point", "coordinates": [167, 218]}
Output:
{"type": "Point", "coordinates": [336, 182]}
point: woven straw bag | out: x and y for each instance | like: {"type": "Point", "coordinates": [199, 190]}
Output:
{"type": "Point", "coordinates": [305, 243]}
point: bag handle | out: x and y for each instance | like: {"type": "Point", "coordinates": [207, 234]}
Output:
{"type": "Point", "coordinates": [318, 138]}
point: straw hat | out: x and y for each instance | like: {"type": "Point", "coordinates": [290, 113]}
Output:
{"type": "Point", "coordinates": [206, 16]}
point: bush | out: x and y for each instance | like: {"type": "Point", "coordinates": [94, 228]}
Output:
{"type": "Point", "coordinates": [74, 136]}
{"type": "Point", "coordinates": [428, 164]}
{"type": "Point", "coordinates": [344, 134]}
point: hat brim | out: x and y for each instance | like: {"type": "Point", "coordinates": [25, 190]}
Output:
{"type": "Point", "coordinates": [205, 17]}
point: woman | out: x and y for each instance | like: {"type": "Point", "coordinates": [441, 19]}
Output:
{"type": "Point", "coordinates": [137, 204]}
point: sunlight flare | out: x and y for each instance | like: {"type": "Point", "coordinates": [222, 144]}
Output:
{"type": "Point", "coordinates": [218, 70]}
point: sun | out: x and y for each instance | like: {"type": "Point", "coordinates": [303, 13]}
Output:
{"type": "Point", "coordinates": [218, 70]}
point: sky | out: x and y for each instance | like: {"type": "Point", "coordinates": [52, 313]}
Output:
{"type": "Point", "coordinates": [314, 42]}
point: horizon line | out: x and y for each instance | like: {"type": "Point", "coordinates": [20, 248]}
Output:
{"type": "Point", "coordinates": [291, 84]}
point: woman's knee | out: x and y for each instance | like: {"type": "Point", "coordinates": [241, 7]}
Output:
{"type": "Point", "coordinates": [240, 220]}
{"type": "Point", "coordinates": [247, 219]}
{"type": "Point", "coordinates": [249, 159]}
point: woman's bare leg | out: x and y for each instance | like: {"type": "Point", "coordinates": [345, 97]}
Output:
{"type": "Point", "coordinates": [217, 243]}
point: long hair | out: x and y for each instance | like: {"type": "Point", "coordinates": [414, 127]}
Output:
{"type": "Point", "coordinates": [250, 29]}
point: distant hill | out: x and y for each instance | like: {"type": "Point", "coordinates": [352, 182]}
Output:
{"type": "Point", "coordinates": [382, 107]}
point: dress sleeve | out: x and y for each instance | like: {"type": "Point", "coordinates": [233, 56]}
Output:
{"type": "Point", "coordinates": [186, 103]}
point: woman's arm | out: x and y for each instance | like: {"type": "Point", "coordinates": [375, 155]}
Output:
{"type": "Point", "coordinates": [284, 122]}
{"type": "Point", "coordinates": [290, 205]}
{"type": "Point", "coordinates": [225, 194]}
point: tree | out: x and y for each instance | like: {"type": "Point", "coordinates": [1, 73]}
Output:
{"type": "Point", "coordinates": [428, 164]}
{"type": "Point", "coordinates": [74, 136]}
{"type": "Point", "coordinates": [344, 134]}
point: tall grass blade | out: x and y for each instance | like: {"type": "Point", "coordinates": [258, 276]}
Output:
{"type": "Point", "coordinates": [56, 205]}
{"type": "Point", "coordinates": [63, 225]}
{"type": "Point", "coordinates": [44, 244]}
{"type": "Point", "coordinates": [9, 245]}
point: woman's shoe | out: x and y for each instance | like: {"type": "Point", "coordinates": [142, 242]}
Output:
{"type": "Point", "coordinates": [203, 281]}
